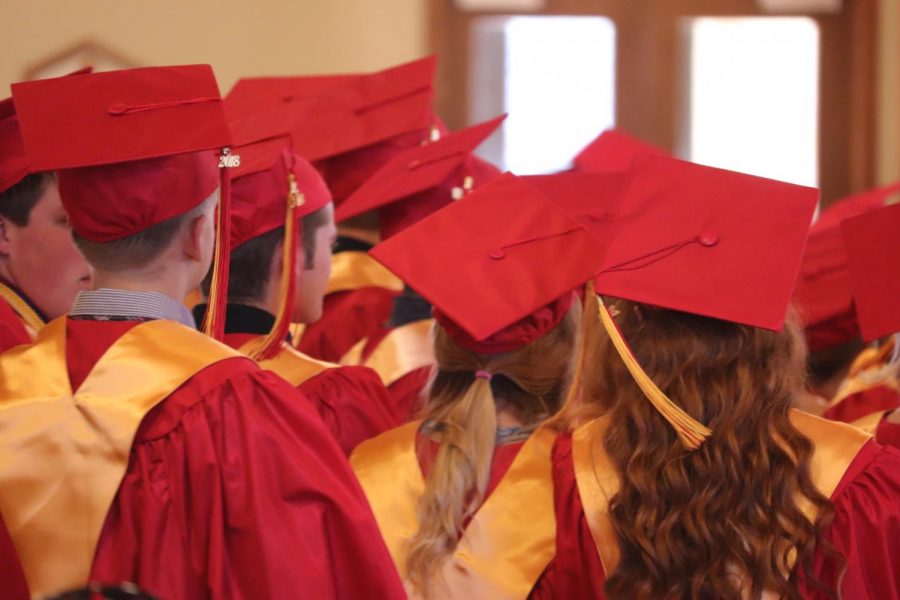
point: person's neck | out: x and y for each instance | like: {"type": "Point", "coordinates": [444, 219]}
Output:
{"type": "Point", "coordinates": [173, 287]}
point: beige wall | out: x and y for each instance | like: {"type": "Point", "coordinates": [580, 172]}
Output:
{"type": "Point", "coordinates": [247, 37]}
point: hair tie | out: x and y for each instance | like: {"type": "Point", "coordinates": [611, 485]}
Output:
{"type": "Point", "coordinates": [484, 375]}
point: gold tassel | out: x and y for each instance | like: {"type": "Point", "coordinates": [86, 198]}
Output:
{"type": "Point", "coordinates": [271, 345]}
{"type": "Point", "coordinates": [691, 432]}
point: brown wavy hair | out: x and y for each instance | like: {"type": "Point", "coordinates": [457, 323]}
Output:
{"type": "Point", "coordinates": [723, 521]}
{"type": "Point", "coordinates": [529, 380]}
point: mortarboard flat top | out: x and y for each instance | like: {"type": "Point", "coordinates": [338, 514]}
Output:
{"type": "Point", "coordinates": [495, 257]}
{"type": "Point", "coordinates": [708, 241]}
{"type": "Point", "coordinates": [471, 174]}
{"type": "Point", "coordinates": [589, 198]}
{"type": "Point", "coordinates": [858, 204]}
{"type": "Point", "coordinates": [14, 165]}
{"type": "Point", "coordinates": [340, 114]}
{"type": "Point", "coordinates": [872, 247]}
{"type": "Point", "coordinates": [612, 152]}
{"type": "Point", "coordinates": [120, 116]}
{"type": "Point", "coordinates": [133, 148]}
{"type": "Point", "coordinates": [416, 169]}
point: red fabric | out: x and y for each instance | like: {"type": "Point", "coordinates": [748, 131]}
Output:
{"type": "Point", "coordinates": [352, 401]}
{"type": "Point", "coordinates": [887, 433]}
{"type": "Point", "coordinates": [12, 330]}
{"type": "Point", "coordinates": [12, 579]}
{"type": "Point", "coordinates": [235, 489]}
{"type": "Point", "coordinates": [871, 243]}
{"type": "Point", "coordinates": [13, 161]}
{"type": "Point", "coordinates": [519, 334]}
{"type": "Point", "coordinates": [708, 241]}
{"type": "Point", "coordinates": [500, 248]}
{"type": "Point", "coordinates": [866, 528]}
{"type": "Point", "coordinates": [575, 572]}
{"type": "Point", "coordinates": [347, 318]}
{"type": "Point", "coordinates": [407, 394]}
{"type": "Point", "coordinates": [862, 403]}
{"type": "Point", "coordinates": [612, 152]}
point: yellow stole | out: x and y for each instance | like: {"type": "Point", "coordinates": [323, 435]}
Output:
{"type": "Point", "coordinates": [868, 371]}
{"type": "Point", "coordinates": [403, 350]}
{"type": "Point", "coordinates": [509, 541]}
{"type": "Point", "coordinates": [30, 319]}
{"type": "Point", "coordinates": [353, 270]}
{"type": "Point", "coordinates": [836, 445]}
{"type": "Point", "coordinates": [290, 364]}
{"type": "Point", "coordinates": [63, 453]}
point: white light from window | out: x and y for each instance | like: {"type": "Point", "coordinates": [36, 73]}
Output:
{"type": "Point", "coordinates": [754, 95]}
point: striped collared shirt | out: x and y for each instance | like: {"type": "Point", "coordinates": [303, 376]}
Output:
{"type": "Point", "coordinates": [108, 304]}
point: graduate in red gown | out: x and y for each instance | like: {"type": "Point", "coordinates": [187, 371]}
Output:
{"type": "Point", "coordinates": [689, 474]}
{"type": "Point", "coordinates": [40, 268]}
{"type": "Point", "coordinates": [464, 497]}
{"type": "Point", "coordinates": [824, 299]}
{"type": "Point", "coordinates": [409, 187]}
{"type": "Point", "coordinates": [351, 126]}
{"type": "Point", "coordinates": [278, 276]}
{"type": "Point", "coordinates": [870, 396]}
{"type": "Point", "coordinates": [135, 448]}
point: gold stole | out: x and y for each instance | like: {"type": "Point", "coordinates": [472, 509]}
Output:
{"type": "Point", "coordinates": [510, 540]}
{"type": "Point", "coordinates": [868, 371]}
{"type": "Point", "coordinates": [63, 454]}
{"type": "Point", "coordinates": [835, 447]}
{"type": "Point", "coordinates": [354, 270]}
{"type": "Point", "coordinates": [290, 364]}
{"type": "Point", "coordinates": [30, 319]}
{"type": "Point", "coordinates": [403, 350]}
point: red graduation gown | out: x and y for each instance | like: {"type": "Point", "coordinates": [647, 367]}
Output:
{"type": "Point", "coordinates": [234, 489]}
{"type": "Point", "coordinates": [351, 400]}
{"type": "Point", "coordinates": [866, 530]}
{"type": "Point", "coordinates": [12, 329]}
{"type": "Point", "coordinates": [12, 578]}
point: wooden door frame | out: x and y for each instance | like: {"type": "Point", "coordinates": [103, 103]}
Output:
{"type": "Point", "coordinates": [649, 64]}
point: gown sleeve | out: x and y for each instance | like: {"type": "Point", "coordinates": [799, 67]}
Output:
{"type": "Point", "coordinates": [353, 403]}
{"type": "Point", "coordinates": [865, 529]}
{"type": "Point", "coordinates": [236, 489]}
{"type": "Point", "coordinates": [347, 318]}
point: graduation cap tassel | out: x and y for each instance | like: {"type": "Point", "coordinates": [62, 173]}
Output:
{"type": "Point", "coordinates": [214, 320]}
{"type": "Point", "coordinates": [271, 345]}
{"type": "Point", "coordinates": [691, 432]}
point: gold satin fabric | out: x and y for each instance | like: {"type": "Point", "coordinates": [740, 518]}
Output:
{"type": "Point", "coordinates": [63, 454]}
{"type": "Point", "coordinates": [508, 543]}
{"type": "Point", "coordinates": [290, 364]}
{"type": "Point", "coordinates": [354, 270]}
{"type": "Point", "coordinates": [30, 319]}
{"type": "Point", "coordinates": [835, 447]}
{"type": "Point", "coordinates": [868, 371]}
{"type": "Point", "coordinates": [402, 351]}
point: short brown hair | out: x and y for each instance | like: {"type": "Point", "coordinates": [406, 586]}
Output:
{"type": "Point", "coordinates": [249, 266]}
{"type": "Point", "coordinates": [140, 249]}
{"type": "Point", "coordinates": [18, 201]}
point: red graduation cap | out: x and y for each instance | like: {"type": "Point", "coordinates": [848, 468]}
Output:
{"type": "Point", "coordinates": [858, 204]}
{"type": "Point", "coordinates": [705, 241]}
{"type": "Point", "coordinates": [273, 187]}
{"type": "Point", "coordinates": [612, 151]}
{"type": "Point", "coordinates": [14, 164]}
{"type": "Point", "coordinates": [822, 295]}
{"type": "Point", "coordinates": [470, 175]}
{"type": "Point", "coordinates": [589, 198]}
{"type": "Point", "coordinates": [500, 264]}
{"type": "Point", "coordinates": [872, 249]}
{"type": "Point", "coordinates": [417, 169]}
{"type": "Point", "coordinates": [132, 148]}
{"type": "Point", "coordinates": [708, 241]}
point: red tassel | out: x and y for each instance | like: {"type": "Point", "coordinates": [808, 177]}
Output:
{"type": "Point", "coordinates": [214, 320]}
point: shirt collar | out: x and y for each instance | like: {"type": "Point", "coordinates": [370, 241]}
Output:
{"type": "Point", "coordinates": [107, 302]}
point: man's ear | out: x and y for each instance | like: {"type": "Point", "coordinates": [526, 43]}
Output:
{"type": "Point", "coordinates": [5, 229]}
{"type": "Point", "coordinates": [196, 238]}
